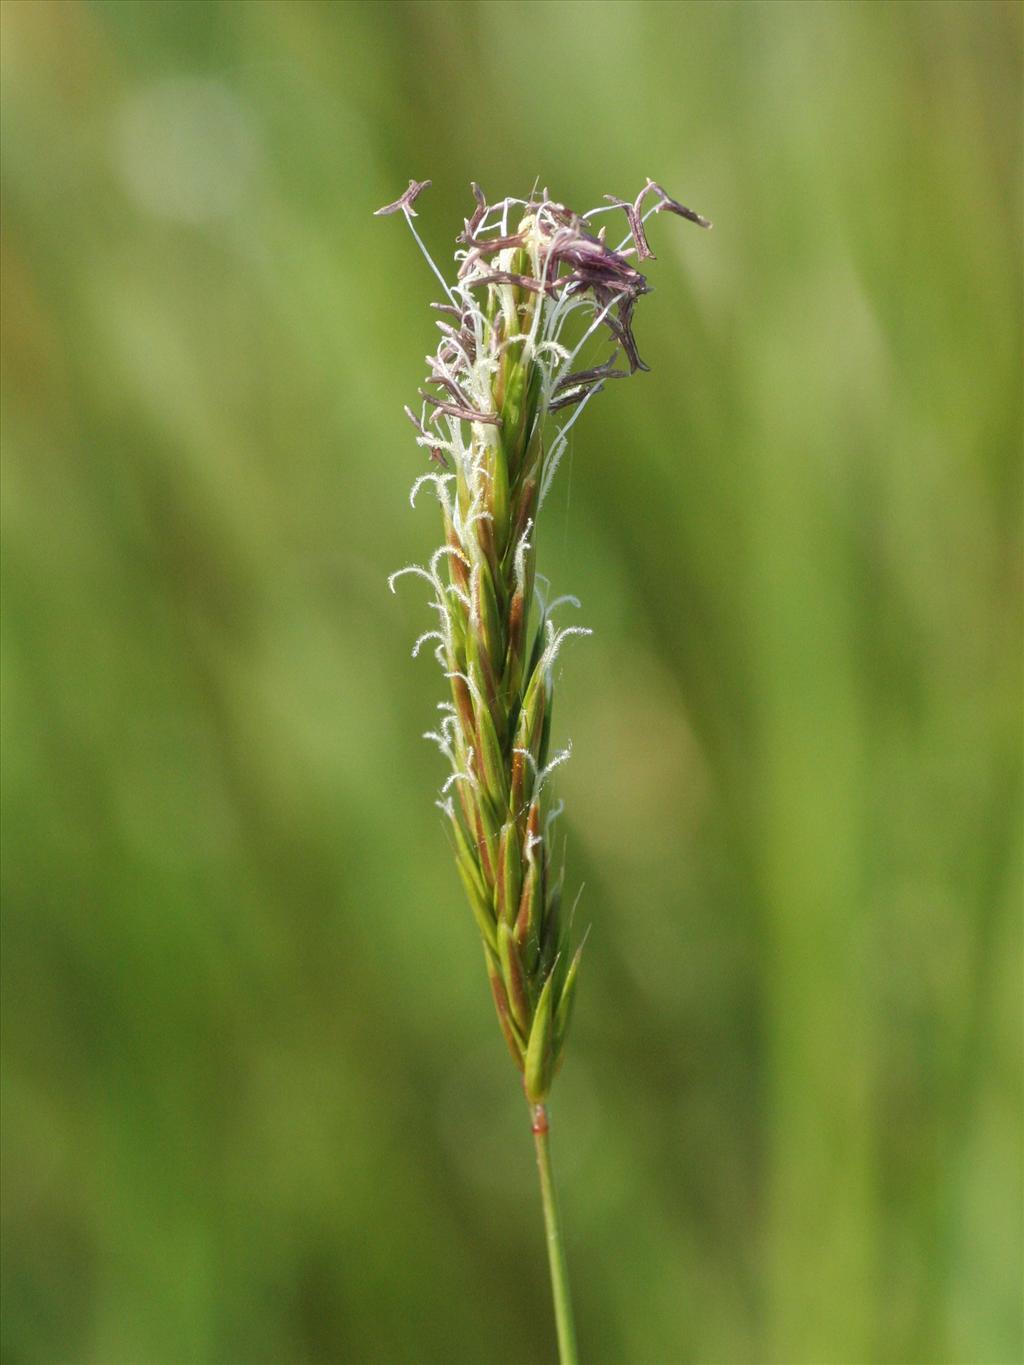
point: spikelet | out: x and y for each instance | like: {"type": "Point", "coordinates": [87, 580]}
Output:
{"type": "Point", "coordinates": [533, 289]}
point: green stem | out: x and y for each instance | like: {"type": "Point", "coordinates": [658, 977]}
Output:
{"type": "Point", "coordinates": [556, 1253]}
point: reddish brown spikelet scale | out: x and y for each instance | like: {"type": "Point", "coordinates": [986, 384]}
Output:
{"type": "Point", "coordinates": [525, 512]}
{"type": "Point", "coordinates": [525, 912]}
{"type": "Point", "coordinates": [485, 535]}
{"type": "Point", "coordinates": [533, 822]}
{"type": "Point", "coordinates": [516, 623]}
{"type": "Point", "coordinates": [482, 849]}
{"type": "Point", "coordinates": [516, 789]}
{"type": "Point", "coordinates": [504, 1018]}
{"type": "Point", "coordinates": [491, 691]}
{"type": "Point", "coordinates": [519, 997]}
{"type": "Point", "coordinates": [483, 648]}
{"type": "Point", "coordinates": [537, 722]}
{"type": "Point", "coordinates": [464, 705]}
{"type": "Point", "coordinates": [466, 804]}
{"type": "Point", "coordinates": [499, 893]}
{"type": "Point", "coordinates": [459, 573]}
{"type": "Point", "coordinates": [531, 900]}
{"type": "Point", "coordinates": [499, 887]}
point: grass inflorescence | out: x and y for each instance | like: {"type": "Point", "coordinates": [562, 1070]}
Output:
{"type": "Point", "coordinates": [535, 290]}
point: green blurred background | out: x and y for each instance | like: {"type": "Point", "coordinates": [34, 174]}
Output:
{"type": "Point", "coordinates": [256, 1107]}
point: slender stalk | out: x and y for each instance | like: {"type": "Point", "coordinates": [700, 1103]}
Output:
{"type": "Point", "coordinates": [564, 1322]}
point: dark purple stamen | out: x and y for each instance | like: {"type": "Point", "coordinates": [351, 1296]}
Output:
{"type": "Point", "coordinates": [636, 225]}
{"type": "Point", "coordinates": [467, 414]}
{"type": "Point", "coordinates": [621, 326]}
{"type": "Point", "coordinates": [673, 206]}
{"type": "Point", "coordinates": [495, 243]}
{"type": "Point", "coordinates": [605, 371]}
{"type": "Point", "coordinates": [478, 214]}
{"type": "Point", "coordinates": [414, 420]}
{"type": "Point", "coordinates": [507, 277]}
{"type": "Point", "coordinates": [570, 399]}
{"type": "Point", "coordinates": [405, 203]}
{"type": "Point", "coordinates": [569, 262]}
{"type": "Point", "coordinates": [446, 383]}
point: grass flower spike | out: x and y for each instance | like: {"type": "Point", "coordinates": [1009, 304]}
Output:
{"type": "Point", "coordinates": [536, 291]}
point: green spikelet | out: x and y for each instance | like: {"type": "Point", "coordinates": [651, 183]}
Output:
{"type": "Point", "coordinates": [507, 361]}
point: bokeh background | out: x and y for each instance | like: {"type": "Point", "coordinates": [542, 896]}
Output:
{"type": "Point", "coordinates": [255, 1104]}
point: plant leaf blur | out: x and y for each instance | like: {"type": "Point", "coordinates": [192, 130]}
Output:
{"type": "Point", "coordinates": [255, 1108]}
